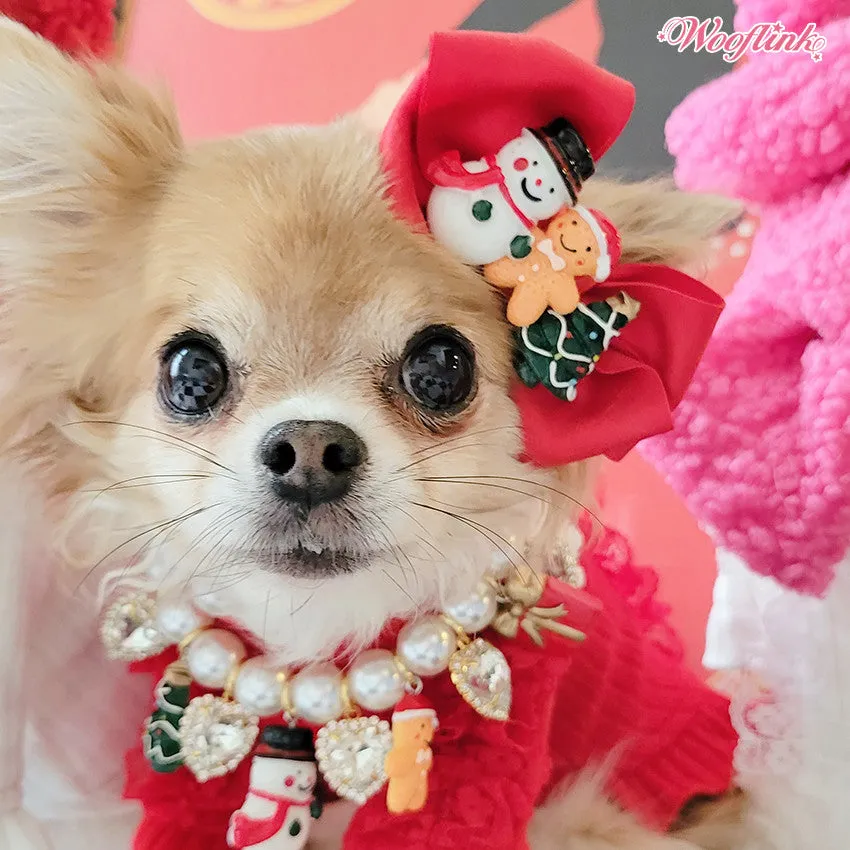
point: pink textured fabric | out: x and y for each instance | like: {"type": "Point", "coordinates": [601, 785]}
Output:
{"type": "Point", "coordinates": [793, 13]}
{"type": "Point", "coordinates": [761, 445]}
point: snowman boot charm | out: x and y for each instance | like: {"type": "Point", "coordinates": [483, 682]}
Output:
{"type": "Point", "coordinates": [409, 762]}
{"type": "Point", "coordinates": [280, 802]}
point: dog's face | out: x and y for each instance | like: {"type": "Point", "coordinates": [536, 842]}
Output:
{"type": "Point", "coordinates": [321, 409]}
{"type": "Point", "coordinates": [270, 390]}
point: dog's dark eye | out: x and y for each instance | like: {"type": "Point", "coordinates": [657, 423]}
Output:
{"type": "Point", "coordinates": [438, 370]}
{"type": "Point", "coordinates": [194, 376]}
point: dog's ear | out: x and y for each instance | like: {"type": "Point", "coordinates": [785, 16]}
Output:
{"type": "Point", "coordinates": [85, 153]}
{"type": "Point", "coordinates": [657, 222]}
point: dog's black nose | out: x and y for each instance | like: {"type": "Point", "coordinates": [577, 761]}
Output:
{"type": "Point", "coordinates": [310, 462]}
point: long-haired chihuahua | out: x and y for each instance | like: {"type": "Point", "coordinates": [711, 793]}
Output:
{"type": "Point", "coordinates": [213, 380]}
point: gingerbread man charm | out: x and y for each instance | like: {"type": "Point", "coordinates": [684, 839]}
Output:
{"type": "Point", "coordinates": [577, 242]}
{"type": "Point", "coordinates": [409, 762]}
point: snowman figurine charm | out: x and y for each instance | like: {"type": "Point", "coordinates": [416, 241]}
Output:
{"type": "Point", "coordinates": [487, 209]}
{"type": "Point", "coordinates": [280, 803]}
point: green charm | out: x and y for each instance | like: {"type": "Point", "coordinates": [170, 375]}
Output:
{"type": "Point", "coordinates": [162, 736]}
{"type": "Point", "coordinates": [558, 351]}
{"type": "Point", "coordinates": [482, 210]}
{"type": "Point", "coordinates": [520, 247]}
{"type": "Point", "coordinates": [316, 808]}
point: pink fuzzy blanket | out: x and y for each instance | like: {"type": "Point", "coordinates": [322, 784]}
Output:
{"type": "Point", "coordinates": [761, 445]}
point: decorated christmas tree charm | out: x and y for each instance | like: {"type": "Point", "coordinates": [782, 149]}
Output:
{"type": "Point", "coordinates": [162, 732]}
{"type": "Point", "coordinates": [280, 803]}
{"type": "Point", "coordinates": [486, 209]}
{"type": "Point", "coordinates": [409, 762]}
{"type": "Point", "coordinates": [558, 351]}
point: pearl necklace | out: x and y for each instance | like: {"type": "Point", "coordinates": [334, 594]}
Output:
{"type": "Point", "coordinates": [212, 734]}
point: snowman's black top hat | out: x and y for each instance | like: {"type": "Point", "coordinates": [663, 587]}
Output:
{"type": "Point", "coordinates": [569, 151]}
{"type": "Point", "coordinates": [284, 742]}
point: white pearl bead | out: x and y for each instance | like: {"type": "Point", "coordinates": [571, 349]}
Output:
{"type": "Point", "coordinates": [316, 694]}
{"type": "Point", "coordinates": [476, 612]}
{"type": "Point", "coordinates": [176, 618]}
{"type": "Point", "coordinates": [212, 657]}
{"type": "Point", "coordinates": [426, 645]}
{"type": "Point", "coordinates": [258, 688]}
{"type": "Point", "coordinates": [375, 681]}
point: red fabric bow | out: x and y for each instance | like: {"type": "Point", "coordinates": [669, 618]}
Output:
{"type": "Point", "coordinates": [637, 382]}
{"type": "Point", "coordinates": [478, 91]}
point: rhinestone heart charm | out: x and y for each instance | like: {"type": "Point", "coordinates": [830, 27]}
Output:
{"type": "Point", "coordinates": [128, 629]}
{"type": "Point", "coordinates": [351, 755]}
{"type": "Point", "coordinates": [216, 736]}
{"type": "Point", "coordinates": [482, 676]}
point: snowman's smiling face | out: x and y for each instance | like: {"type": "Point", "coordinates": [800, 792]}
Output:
{"type": "Point", "coordinates": [532, 178]}
{"type": "Point", "coordinates": [298, 781]}
{"type": "Point", "coordinates": [288, 778]}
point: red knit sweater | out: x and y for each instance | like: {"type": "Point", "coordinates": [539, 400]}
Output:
{"type": "Point", "coordinates": [573, 705]}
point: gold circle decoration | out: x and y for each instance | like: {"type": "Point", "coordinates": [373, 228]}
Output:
{"type": "Point", "coordinates": [267, 14]}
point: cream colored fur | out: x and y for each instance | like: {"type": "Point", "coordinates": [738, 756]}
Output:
{"type": "Point", "coordinates": [581, 818]}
